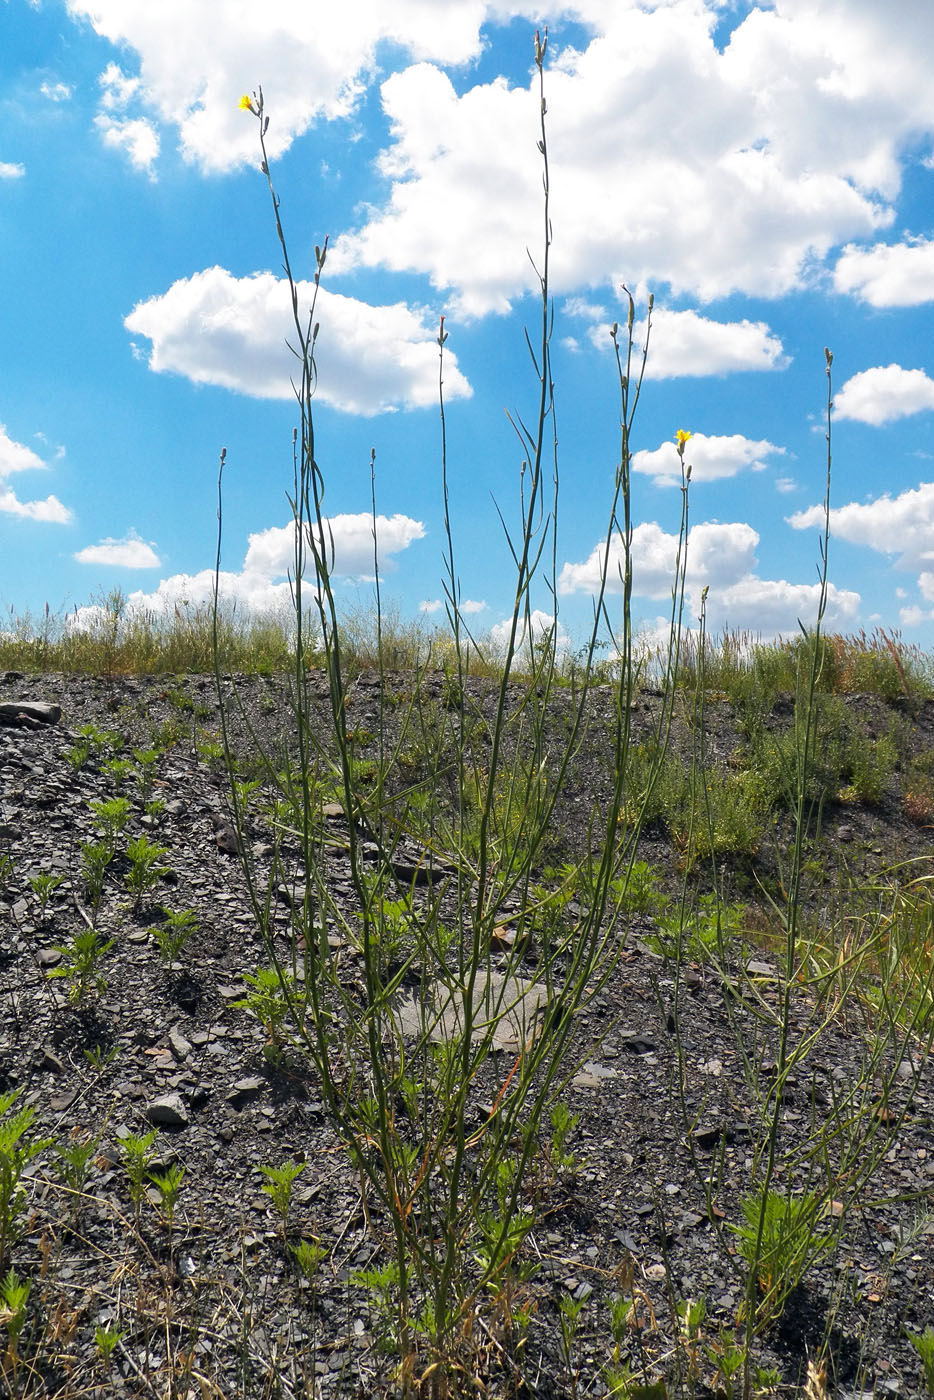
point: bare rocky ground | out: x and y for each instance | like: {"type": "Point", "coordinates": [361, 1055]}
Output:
{"type": "Point", "coordinates": [216, 1302]}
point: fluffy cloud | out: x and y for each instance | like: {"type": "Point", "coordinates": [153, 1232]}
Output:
{"type": "Point", "coordinates": [118, 89]}
{"type": "Point", "coordinates": [540, 624]}
{"type": "Point", "coordinates": [137, 138]}
{"type": "Point", "coordinates": [882, 394]}
{"type": "Point", "coordinates": [56, 92]}
{"type": "Point", "coordinates": [773, 606]}
{"type": "Point", "coordinates": [219, 329]}
{"type": "Point", "coordinates": [797, 126]}
{"type": "Point", "coordinates": [900, 525]}
{"type": "Point", "coordinates": [261, 586]}
{"type": "Point", "coordinates": [683, 343]}
{"type": "Point", "coordinates": [15, 457]}
{"type": "Point", "coordinates": [718, 554]}
{"type": "Point", "coordinates": [51, 510]}
{"type": "Point", "coordinates": [271, 553]}
{"type": "Point", "coordinates": [11, 170]}
{"type": "Point", "coordinates": [315, 60]}
{"type": "Point", "coordinates": [888, 274]}
{"type": "Point", "coordinates": [913, 616]}
{"type": "Point", "coordinates": [134, 135]}
{"type": "Point", "coordinates": [722, 558]}
{"type": "Point", "coordinates": [711, 458]}
{"type": "Point", "coordinates": [128, 553]}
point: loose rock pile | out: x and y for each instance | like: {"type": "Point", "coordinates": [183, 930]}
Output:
{"type": "Point", "coordinates": [165, 1049]}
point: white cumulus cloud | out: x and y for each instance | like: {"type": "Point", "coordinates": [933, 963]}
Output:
{"type": "Point", "coordinates": [271, 552]}
{"type": "Point", "coordinates": [888, 274]}
{"type": "Point", "coordinates": [712, 458]}
{"type": "Point", "coordinates": [721, 557]}
{"type": "Point", "coordinates": [51, 510]}
{"type": "Point", "coordinates": [16, 457]}
{"type": "Point", "coordinates": [261, 586]}
{"type": "Point", "coordinates": [540, 624]}
{"type": "Point", "coordinates": [56, 92]}
{"type": "Point", "coordinates": [766, 154]}
{"type": "Point", "coordinates": [795, 128]}
{"type": "Point", "coordinates": [718, 554]}
{"type": "Point", "coordinates": [686, 343]}
{"type": "Point", "coordinates": [883, 394]}
{"type": "Point", "coordinates": [11, 170]}
{"type": "Point", "coordinates": [215, 328]}
{"type": "Point", "coordinates": [901, 525]}
{"type": "Point", "coordinates": [129, 553]}
{"type": "Point", "coordinates": [314, 60]}
{"type": "Point", "coordinates": [136, 137]}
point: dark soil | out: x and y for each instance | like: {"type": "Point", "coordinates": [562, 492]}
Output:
{"type": "Point", "coordinates": [663, 1098]}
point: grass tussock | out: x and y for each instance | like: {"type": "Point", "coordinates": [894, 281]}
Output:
{"type": "Point", "coordinates": [112, 639]}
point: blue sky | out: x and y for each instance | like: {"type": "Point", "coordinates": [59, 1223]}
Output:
{"type": "Point", "coordinates": [766, 171]}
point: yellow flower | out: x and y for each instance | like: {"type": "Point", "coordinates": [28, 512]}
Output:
{"type": "Point", "coordinates": [681, 438]}
{"type": "Point", "coordinates": [246, 103]}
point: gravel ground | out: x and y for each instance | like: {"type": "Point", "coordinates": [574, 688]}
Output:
{"type": "Point", "coordinates": [219, 1299]}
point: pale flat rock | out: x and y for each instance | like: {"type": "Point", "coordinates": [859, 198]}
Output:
{"type": "Point", "coordinates": [168, 1112]}
{"type": "Point", "coordinates": [592, 1075]}
{"type": "Point", "coordinates": [516, 1005]}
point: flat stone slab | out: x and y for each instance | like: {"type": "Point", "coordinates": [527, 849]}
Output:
{"type": "Point", "coordinates": [513, 1003]}
{"type": "Point", "coordinates": [28, 713]}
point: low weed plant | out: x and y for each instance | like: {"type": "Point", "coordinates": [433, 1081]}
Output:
{"type": "Point", "coordinates": [407, 1060]}
{"type": "Point", "coordinates": [81, 960]}
{"type": "Point", "coordinates": [146, 870]}
{"type": "Point", "coordinates": [17, 1150]}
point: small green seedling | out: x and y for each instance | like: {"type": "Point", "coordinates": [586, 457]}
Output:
{"type": "Point", "coordinates": [569, 1310]}
{"type": "Point", "coordinates": [43, 886]}
{"type": "Point", "coordinates": [244, 790]}
{"type": "Point", "coordinates": [778, 1241]}
{"type": "Point", "coordinates": [80, 962]}
{"type": "Point", "coordinates": [110, 818]}
{"type": "Point", "coordinates": [118, 769]}
{"type": "Point", "coordinates": [95, 859]}
{"type": "Point", "coordinates": [308, 1255]}
{"type": "Point", "coordinates": [16, 1151]}
{"type": "Point", "coordinates": [99, 1058]}
{"type": "Point", "coordinates": [106, 1339]}
{"type": "Point", "coordinates": [174, 932]}
{"type": "Point", "coordinates": [145, 770]}
{"type": "Point", "coordinates": [268, 1003]}
{"type": "Point", "coordinates": [923, 1343]}
{"type": "Point", "coordinates": [209, 749]}
{"type": "Point", "coordinates": [279, 1186]}
{"type": "Point", "coordinates": [14, 1295]}
{"type": "Point", "coordinates": [72, 1166]}
{"type": "Point", "coordinates": [169, 1186]}
{"type": "Point", "coordinates": [137, 1160]}
{"type": "Point", "coordinates": [78, 754]}
{"type": "Point", "coordinates": [563, 1123]}
{"type": "Point", "coordinates": [145, 871]}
